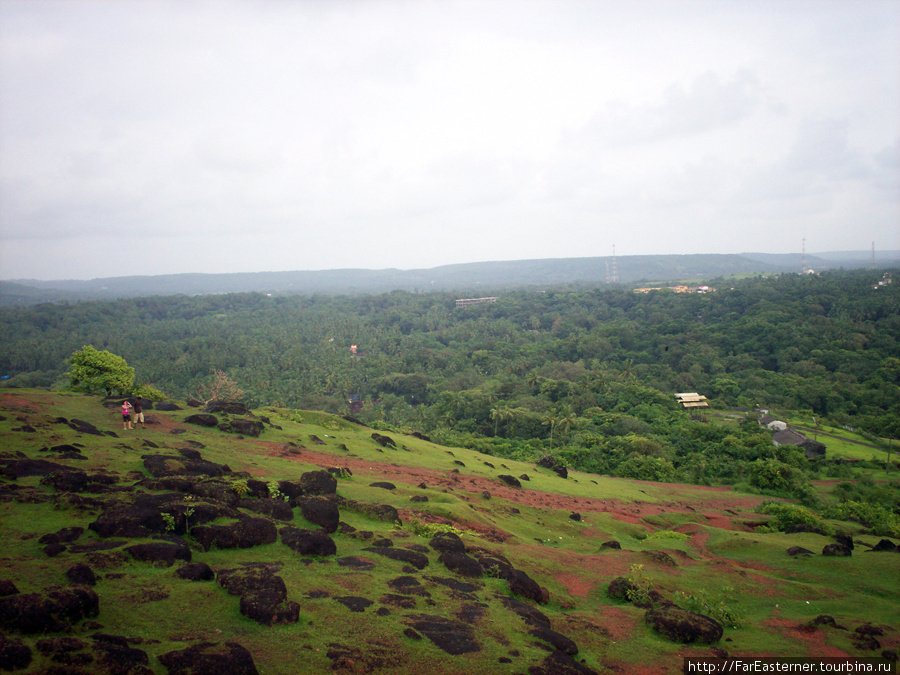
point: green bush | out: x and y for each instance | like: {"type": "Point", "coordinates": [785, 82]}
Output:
{"type": "Point", "coordinates": [642, 467]}
{"type": "Point", "coordinates": [786, 516]}
{"type": "Point", "coordinates": [720, 606]}
{"type": "Point", "coordinates": [882, 522]}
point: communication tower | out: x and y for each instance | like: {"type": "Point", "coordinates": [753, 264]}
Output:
{"type": "Point", "coordinates": [613, 275]}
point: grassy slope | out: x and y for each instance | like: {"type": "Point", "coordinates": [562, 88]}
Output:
{"type": "Point", "coordinates": [775, 591]}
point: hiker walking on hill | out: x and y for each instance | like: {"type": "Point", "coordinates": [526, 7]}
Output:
{"type": "Point", "coordinates": [138, 413]}
{"type": "Point", "coordinates": [126, 414]}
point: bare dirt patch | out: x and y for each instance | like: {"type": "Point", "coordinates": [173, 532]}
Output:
{"type": "Point", "coordinates": [713, 500]}
{"type": "Point", "coordinates": [12, 402]}
{"type": "Point", "coordinates": [815, 640]}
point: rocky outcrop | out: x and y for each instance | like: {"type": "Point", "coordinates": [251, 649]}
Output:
{"type": "Point", "coordinates": [549, 462]}
{"type": "Point", "coordinates": [53, 611]}
{"type": "Point", "coordinates": [308, 542]}
{"type": "Point", "coordinates": [210, 657]}
{"type": "Point", "coordinates": [682, 626]}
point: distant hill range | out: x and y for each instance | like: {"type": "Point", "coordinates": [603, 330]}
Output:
{"type": "Point", "coordinates": [466, 279]}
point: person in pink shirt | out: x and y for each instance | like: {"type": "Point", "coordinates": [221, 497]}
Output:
{"type": "Point", "coordinates": [126, 415]}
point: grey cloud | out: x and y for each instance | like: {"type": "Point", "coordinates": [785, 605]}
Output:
{"type": "Point", "coordinates": [708, 104]}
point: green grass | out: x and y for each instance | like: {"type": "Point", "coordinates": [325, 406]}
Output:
{"type": "Point", "coordinates": [142, 600]}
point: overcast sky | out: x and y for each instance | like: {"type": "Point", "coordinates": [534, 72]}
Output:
{"type": "Point", "coordinates": [152, 137]}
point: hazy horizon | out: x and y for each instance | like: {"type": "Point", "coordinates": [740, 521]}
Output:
{"type": "Point", "coordinates": [238, 136]}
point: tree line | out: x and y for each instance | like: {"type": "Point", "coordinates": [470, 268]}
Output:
{"type": "Point", "coordinates": [587, 373]}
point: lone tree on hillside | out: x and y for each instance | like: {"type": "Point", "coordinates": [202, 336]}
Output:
{"type": "Point", "coordinates": [220, 387]}
{"type": "Point", "coordinates": [92, 371]}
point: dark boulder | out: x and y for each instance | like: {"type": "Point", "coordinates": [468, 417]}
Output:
{"type": "Point", "coordinates": [529, 614]}
{"type": "Point", "coordinates": [512, 481]}
{"type": "Point", "coordinates": [308, 542]}
{"type": "Point", "coordinates": [384, 485]}
{"type": "Point", "coordinates": [244, 427]}
{"type": "Point", "coordinates": [320, 511]}
{"type": "Point", "coordinates": [160, 552]}
{"type": "Point", "coordinates": [67, 481]}
{"type": "Point", "coordinates": [844, 540]}
{"type": "Point", "coordinates": [522, 584]}
{"type": "Point", "coordinates": [290, 489]}
{"type": "Point", "coordinates": [453, 637]}
{"type": "Point", "coordinates": [318, 483]}
{"type": "Point", "coordinates": [494, 565]}
{"type": "Point", "coordinates": [7, 587]}
{"type": "Point", "coordinates": [268, 608]}
{"type": "Point", "coordinates": [64, 536]}
{"type": "Point", "coordinates": [447, 541]}
{"type": "Point", "coordinates": [245, 533]}
{"type": "Point", "coordinates": [384, 441]}
{"type": "Point", "coordinates": [202, 420]}
{"type": "Point", "coordinates": [227, 407]}
{"type": "Point", "coordinates": [682, 626]}
{"type": "Point", "coordinates": [274, 508]}
{"type": "Point", "coordinates": [210, 658]}
{"type": "Point", "coordinates": [461, 564]}
{"type": "Point", "coordinates": [167, 406]}
{"type": "Point", "coordinates": [798, 550]}
{"type": "Point", "coordinates": [619, 588]}
{"type": "Point", "coordinates": [611, 544]}
{"type": "Point", "coordinates": [160, 466]}
{"type": "Point", "coordinates": [118, 658]}
{"type": "Point", "coordinates": [195, 571]}
{"type": "Point", "coordinates": [22, 468]}
{"type": "Point", "coordinates": [557, 640]}
{"type": "Point", "coordinates": [254, 577]}
{"type": "Point", "coordinates": [81, 575]}
{"type": "Point", "coordinates": [139, 519]}
{"type": "Point", "coordinates": [83, 427]}
{"type": "Point", "coordinates": [53, 611]}
{"type": "Point", "coordinates": [837, 550]}
{"type": "Point", "coordinates": [575, 516]}
{"type": "Point", "coordinates": [884, 545]}
{"type": "Point", "coordinates": [354, 603]}
{"type": "Point", "coordinates": [14, 654]}
{"type": "Point", "coordinates": [554, 465]}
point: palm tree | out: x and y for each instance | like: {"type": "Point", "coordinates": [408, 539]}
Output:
{"type": "Point", "coordinates": [566, 419]}
{"type": "Point", "coordinates": [551, 419]}
{"type": "Point", "coordinates": [500, 414]}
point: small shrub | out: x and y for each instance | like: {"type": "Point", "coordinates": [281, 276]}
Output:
{"type": "Point", "coordinates": [239, 487]}
{"type": "Point", "coordinates": [169, 520]}
{"type": "Point", "coordinates": [639, 594]}
{"type": "Point", "coordinates": [428, 530]}
{"type": "Point", "coordinates": [274, 492]}
{"type": "Point", "coordinates": [720, 606]}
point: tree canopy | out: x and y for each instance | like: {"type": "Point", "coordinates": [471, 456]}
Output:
{"type": "Point", "coordinates": [92, 370]}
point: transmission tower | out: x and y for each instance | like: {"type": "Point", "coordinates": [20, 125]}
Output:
{"type": "Point", "coordinates": [803, 257]}
{"type": "Point", "coordinates": [613, 276]}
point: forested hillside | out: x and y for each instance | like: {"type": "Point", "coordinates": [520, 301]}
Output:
{"type": "Point", "coordinates": [465, 277]}
{"type": "Point", "coordinates": [589, 374]}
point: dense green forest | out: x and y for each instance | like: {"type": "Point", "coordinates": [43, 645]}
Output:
{"type": "Point", "coordinates": [586, 374]}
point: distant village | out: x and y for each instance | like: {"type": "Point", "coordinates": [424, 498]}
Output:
{"type": "Point", "coordinates": [681, 288]}
{"type": "Point", "coordinates": [782, 433]}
